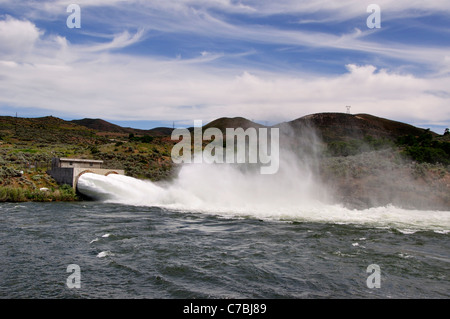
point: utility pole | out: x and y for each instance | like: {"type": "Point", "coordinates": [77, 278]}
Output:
{"type": "Point", "coordinates": [15, 126]}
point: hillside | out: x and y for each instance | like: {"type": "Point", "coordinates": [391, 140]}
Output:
{"type": "Point", "coordinates": [234, 122]}
{"type": "Point", "coordinates": [332, 127]}
{"type": "Point", "coordinates": [45, 130]}
{"type": "Point", "coordinates": [365, 159]}
{"type": "Point", "coordinates": [28, 145]}
{"type": "Point", "coordinates": [103, 127]}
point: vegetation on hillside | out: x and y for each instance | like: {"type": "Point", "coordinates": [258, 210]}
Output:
{"type": "Point", "coordinates": [356, 146]}
{"type": "Point", "coordinates": [28, 145]}
{"type": "Point", "coordinates": [425, 149]}
{"type": "Point", "coordinates": [384, 177]}
{"type": "Point", "coordinates": [356, 154]}
{"type": "Point", "coordinates": [19, 194]}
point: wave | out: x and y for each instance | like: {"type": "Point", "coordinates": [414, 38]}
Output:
{"type": "Point", "coordinates": [225, 190]}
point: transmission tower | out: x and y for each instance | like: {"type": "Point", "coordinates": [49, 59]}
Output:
{"type": "Point", "coordinates": [348, 109]}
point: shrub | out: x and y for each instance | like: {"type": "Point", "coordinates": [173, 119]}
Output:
{"type": "Point", "coordinates": [424, 150]}
{"type": "Point", "coordinates": [427, 154]}
{"type": "Point", "coordinates": [11, 194]}
{"type": "Point", "coordinates": [343, 148]}
{"type": "Point", "coordinates": [15, 194]}
{"type": "Point", "coordinates": [36, 177]}
{"type": "Point", "coordinates": [419, 170]}
{"type": "Point", "coordinates": [9, 172]}
{"type": "Point", "coordinates": [94, 150]}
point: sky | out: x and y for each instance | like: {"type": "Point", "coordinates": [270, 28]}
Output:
{"type": "Point", "coordinates": [169, 62]}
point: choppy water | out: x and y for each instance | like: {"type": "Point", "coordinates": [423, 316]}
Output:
{"type": "Point", "coordinates": [128, 251]}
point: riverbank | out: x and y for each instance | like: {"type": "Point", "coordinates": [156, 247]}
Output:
{"type": "Point", "coordinates": [64, 193]}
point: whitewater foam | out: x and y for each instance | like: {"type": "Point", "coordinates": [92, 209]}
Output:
{"type": "Point", "coordinates": [104, 254]}
{"type": "Point", "coordinates": [233, 193]}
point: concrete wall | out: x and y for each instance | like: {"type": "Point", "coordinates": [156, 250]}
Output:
{"type": "Point", "coordinates": [75, 162]}
{"type": "Point", "coordinates": [70, 176]}
{"type": "Point", "coordinates": [62, 175]}
{"type": "Point", "coordinates": [79, 165]}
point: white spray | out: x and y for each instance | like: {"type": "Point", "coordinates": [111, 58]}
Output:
{"type": "Point", "coordinates": [235, 190]}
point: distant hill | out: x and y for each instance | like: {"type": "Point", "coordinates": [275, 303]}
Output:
{"type": "Point", "coordinates": [342, 126]}
{"type": "Point", "coordinates": [47, 129]}
{"type": "Point", "coordinates": [104, 126]}
{"type": "Point", "coordinates": [158, 131]}
{"type": "Point", "coordinates": [232, 122]}
{"type": "Point", "coordinates": [329, 126]}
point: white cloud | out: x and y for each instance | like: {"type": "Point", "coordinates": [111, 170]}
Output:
{"type": "Point", "coordinates": [17, 37]}
{"type": "Point", "coordinates": [94, 80]}
{"type": "Point", "coordinates": [119, 41]}
{"type": "Point", "coordinates": [79, 81]}
{"type": "Point", "coordinates": [195, 18]}
{"type": "Point", "coordinates": [346, 9]}
{"type": "Point", "coordinates": [322, 10]}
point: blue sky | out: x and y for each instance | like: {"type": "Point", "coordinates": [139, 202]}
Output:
{"type": "Point", "coordinates": [151, 63]}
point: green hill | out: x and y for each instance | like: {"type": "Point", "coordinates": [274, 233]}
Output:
{"type": "Point", "coordinates": [332, 127]}
{"type": "Point", "coordinates": [369, 160]}
{"type": "Point", "coordinates": [105, 127]}
{"type": "Point", "coordinates": [44, 130]}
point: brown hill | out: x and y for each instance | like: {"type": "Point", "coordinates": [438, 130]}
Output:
{"type": "Point", "coordinates": [329, 126]}
{"type": "Point", "coordinates": [158, 131]}
{"type": "Point", "coordinates": [47, 129]}
{"type": "Point", "coordinates": [342, 126]}
{"type": "Point", "coordinates": [104, 126]}
{"type": "Point", "coordinates": [234, 122]}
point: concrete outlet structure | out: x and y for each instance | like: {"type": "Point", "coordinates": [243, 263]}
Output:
{"type": "Point", "coordinates": [69, 170]}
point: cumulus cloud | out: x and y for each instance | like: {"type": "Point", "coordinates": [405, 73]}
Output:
{"type": "Point", "coordinates": [118, 86]}
{"type": "Point", "coordinates": [17, 37]}
{"type": "Point", "coordinates": [96, 79]}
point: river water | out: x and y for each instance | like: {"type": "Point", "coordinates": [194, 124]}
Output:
{"type": "Point", "coordinates": [144, 251]}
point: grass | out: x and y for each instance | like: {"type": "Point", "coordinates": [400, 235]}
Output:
{"type": "Point", "coordinates": [14, 194]}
